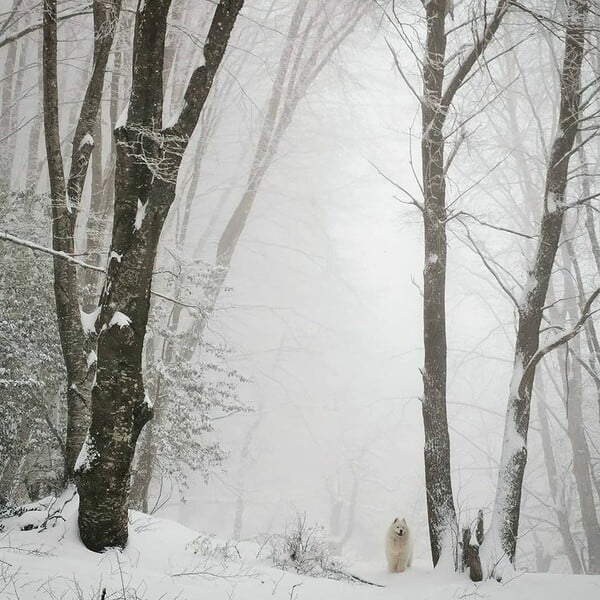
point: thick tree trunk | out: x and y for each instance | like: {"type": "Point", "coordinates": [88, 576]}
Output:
{"type": "Point", "coordinates": [501, 540]}
{"type": "Point", "coordinates": [148, 160]}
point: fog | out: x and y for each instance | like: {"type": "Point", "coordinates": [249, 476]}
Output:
{"type": "Point", "coordinates": [321, 310]}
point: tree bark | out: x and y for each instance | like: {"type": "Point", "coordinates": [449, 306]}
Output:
{"type": "Point", "coordinates": [33, 162]}
{"type": "Point", "coordinates": [66, 196]}
{"type": "Point", "coordinates": [10, 109]}
{"type": "Point", "coordinates": [502, 538]}
{"type": "Point", "coordinates": [440, 502]}
{"type": "Point", "coordinates": [582, 463]}
{"type": "Point", "coordinates": [435, 103]}
{"type": "Point", "coordinates": [148, 161]}
{"type": "Point", "coordinates": [6, 107]}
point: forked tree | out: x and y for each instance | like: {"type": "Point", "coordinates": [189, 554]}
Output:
{"type": "Point", "coordinates": [147, 164]}
{"type": "Point", "coordinates": [440, 84]}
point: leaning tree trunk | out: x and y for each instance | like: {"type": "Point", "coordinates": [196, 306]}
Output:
{"type": "Point", "coordinates": [300, 63]}
{"type": "Point", "coordinates": [148, 161]}
{"type": "Point", "coordinates": [501, 540]}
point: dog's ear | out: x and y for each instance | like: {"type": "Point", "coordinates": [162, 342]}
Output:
{"type": "Point", "coordinates": [403, 520]}
{"type": "Point", "coordinates": [396, 520]}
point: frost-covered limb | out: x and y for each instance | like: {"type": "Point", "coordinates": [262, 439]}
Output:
{"type": "Point", "coordinates": [488, 266]}
{"type": "Point", "coordinates": [412, 199]}
{"type": "Point", "coordinates": [478, 49]}
{"type": "Point", "coordinates": [80, 263]}
{"type": "Point", "coordinates": [529, 371]}
{"type": "Point", "coordinates": [38, 247]}
{"type": "Point", "coordinates": [461, 213]}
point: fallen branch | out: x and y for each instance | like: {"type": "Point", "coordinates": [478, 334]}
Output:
{"type": "Point", "coordinates": [353, 577]}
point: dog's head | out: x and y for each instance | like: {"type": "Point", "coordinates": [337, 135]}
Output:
{"type": "Point", "coordinates": [399, 527]}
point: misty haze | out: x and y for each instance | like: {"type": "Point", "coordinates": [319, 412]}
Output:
{"type": "Point", "coordinates": [299, 299]}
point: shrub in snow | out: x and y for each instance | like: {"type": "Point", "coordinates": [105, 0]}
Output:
{"type": "Point", "coordinates": [31, 367]}
{"type": "Point", "coordinates": [209, 547]}
{"type": "Point", "coordinates": [306, 550]}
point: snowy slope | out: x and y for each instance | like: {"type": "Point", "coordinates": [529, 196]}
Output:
{"type": "Point", "coordinates": [167, 561]}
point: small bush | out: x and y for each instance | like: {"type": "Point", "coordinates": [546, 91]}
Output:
{"type": "Point", "coordinates": [306, 550]}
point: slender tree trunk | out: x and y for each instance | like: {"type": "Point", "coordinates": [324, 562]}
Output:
{"type": "Point", "coordinates": [558, 500]}
{"type": "Point", "coordinates": [502, 537]}
{"type": "Point", "coordinates": [582, 464]}
{"type": "Point", "coordinates": [6, 101]}
{"type": "Point", "coordinates": [13, 121]}
{"type": "Point", "coordinates": [436, 100]}
{"type": "Point", "coordinates": [443, 526]}
{"type": "Point", "coordinates": [281, 106]}
{"type": "Point", "coordinates": [295, 73]}
{"type": "Point", "coordinates": [33, 162]}
{"type": "Point", "coordinates": [238, 518]}
{"type": "Point", "coordinates": [66, 196]}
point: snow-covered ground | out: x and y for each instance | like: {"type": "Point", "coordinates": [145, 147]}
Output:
{"type": "Point", "coordinates": [165, 561]}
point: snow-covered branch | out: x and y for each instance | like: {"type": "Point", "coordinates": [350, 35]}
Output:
{"type": "Point", "coordinates": [586, 313]}
{"type": "Point", "coordinates": [8, 237]}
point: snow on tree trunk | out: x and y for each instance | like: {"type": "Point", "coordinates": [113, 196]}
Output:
{"type": "Point", "coordinates": [440, 502]}
{"type": "Point", "coordinates": [148, 161]}
{"type": "Point", "coordinates": [435, 103]}
{"type": "Point", "coordinates": [499, 547]}
{"type": "Point", "coordinates": [65, 198]}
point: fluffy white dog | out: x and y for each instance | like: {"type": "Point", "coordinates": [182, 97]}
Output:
{"type": "Point", "coordinates": [398, 546]}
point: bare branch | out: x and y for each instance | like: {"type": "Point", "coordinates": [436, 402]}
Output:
{"type": "Point", "coordinates": [36, 26]}
{"type": "Point", "coordinates": [529, 371]}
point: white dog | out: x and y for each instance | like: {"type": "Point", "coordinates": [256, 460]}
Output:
{"type": "Point", "coordinates": [398, 546]}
